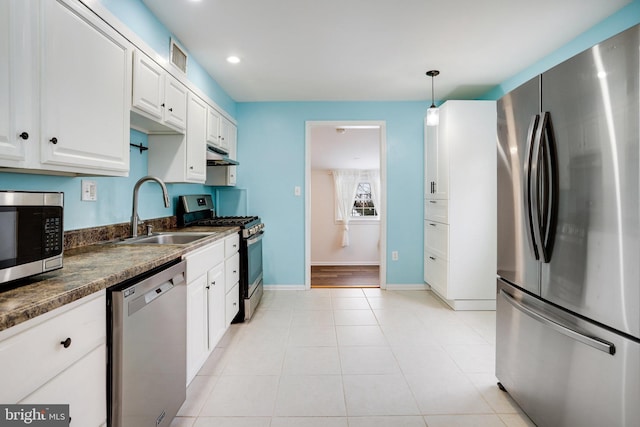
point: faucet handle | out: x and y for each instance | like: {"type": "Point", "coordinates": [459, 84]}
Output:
{"type": "Point", "coordinates": [149, 229]}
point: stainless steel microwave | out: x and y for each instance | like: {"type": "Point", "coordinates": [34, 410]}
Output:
{"type": "Point", "coordinates": [31, 233]}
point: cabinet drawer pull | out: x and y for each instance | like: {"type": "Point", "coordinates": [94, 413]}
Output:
{"type": "Point", "coordinates": [432, 258]}
{"type": "Point", "coordinates": [433, 225]}
{"type": "Point", "coordinates": [432, 201]}
{"type": "Point", "coordinates": [54, 140]}
{"type": "Point", "coordinates": [66, 343]}
{"type": "Point", "coordinates": [24, 136]}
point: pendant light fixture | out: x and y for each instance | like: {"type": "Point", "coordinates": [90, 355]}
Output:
{"type": "Point", "coordinates": [433, 114]}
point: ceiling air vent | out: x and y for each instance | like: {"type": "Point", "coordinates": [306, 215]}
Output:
{"type": "Point", "coordinates": [178, 56]}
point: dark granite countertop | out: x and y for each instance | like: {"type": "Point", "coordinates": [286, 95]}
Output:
{"type": "Point", "coordinates": [90, 269]}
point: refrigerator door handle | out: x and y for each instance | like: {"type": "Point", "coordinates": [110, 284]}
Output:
{"type": "Point", "coordinates": [529, 181]}
{"type": "Point", "coordinates": [550, 191]}
{"type": "Point", "coordinates": [596, 343]}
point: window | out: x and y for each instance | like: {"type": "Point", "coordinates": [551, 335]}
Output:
{"type": "Point", "coordinates": [363, 203]}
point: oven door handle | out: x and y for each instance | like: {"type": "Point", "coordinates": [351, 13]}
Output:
{"type": "Point", "coordinates": [255, 239]}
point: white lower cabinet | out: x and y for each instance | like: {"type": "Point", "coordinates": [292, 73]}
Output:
{"type": "Point", "coordinates": [197, 330]}
{"type": "Point", "coordinates": [59, 358]}
{"type": "Point", "coordinates": [211, 302]}
{"type": "Point", "coordinates": [76, 387]}
{"type": "Point", "coordinates": [216, 304]}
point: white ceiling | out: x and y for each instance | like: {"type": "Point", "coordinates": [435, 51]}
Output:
{"type": "Point", "coordinates": [368, 50]}
{"type": "Point", "coordinates": [351, 149]}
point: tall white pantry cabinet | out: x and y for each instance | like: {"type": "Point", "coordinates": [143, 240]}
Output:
{"type": "Point", "coordinates": [460, 205]}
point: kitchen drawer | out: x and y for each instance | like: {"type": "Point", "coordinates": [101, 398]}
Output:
{"type": "Point", "coordinates": [200, 261]}
{"type": "Point", "coordinates": [35, 355]}
{"type": "Point", "coordinates": [232, 303]}
{"type": "Point", "coordinates": [231, 245]}
{"type": "Point", "coordinates": [437, 210]}
{"type": "Point", "coordinates": [436, 239]}
{"type": "Point", "coordinates": [232, 271]}
{"type": "Point", "coordinates": [436, 273]}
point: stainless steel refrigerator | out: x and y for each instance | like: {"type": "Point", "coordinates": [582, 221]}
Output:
{"type": "Point", "coordinates": [568, 303]}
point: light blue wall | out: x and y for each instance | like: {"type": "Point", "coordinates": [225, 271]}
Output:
{"type": "Point", "coordinates": [272, 153]}
{"type": "Point", "coordinates": [135, 15]}
{"type": "Point", "coordinates": [115, 195]}
{"type": "Point", "coordinates": [625, 18]}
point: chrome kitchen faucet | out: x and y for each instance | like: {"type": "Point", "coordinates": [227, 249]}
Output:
{"type": "Point", "coordinates": [134, 214]}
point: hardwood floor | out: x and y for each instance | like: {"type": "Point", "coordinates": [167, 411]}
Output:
{"type": "Point", "coordinates": [341, 276]}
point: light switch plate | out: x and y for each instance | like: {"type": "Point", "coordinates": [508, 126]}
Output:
{"type": "Point", "coordinates": [89, 191]}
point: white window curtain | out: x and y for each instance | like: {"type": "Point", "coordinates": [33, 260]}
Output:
{"type": "Point", "coordinates": [345, 184]}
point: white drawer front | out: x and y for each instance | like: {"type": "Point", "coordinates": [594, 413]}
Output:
{"type": "Point", "coordinates": [436, 273]}
{"type": "Point", "coordinates": [437, 210]}
{"type": "Point", "coordinates": [231, 245]}
{"type": "Point", "coordinates": [436, 239]}
{"type": "Point", "coordinates": [201, 260]}
{"type": "Point", "coordinates": [232, 303]}
{"type": "Point", "coordinates": [232, 271]}
{"type": "Point", "coordinates": [35, 355]}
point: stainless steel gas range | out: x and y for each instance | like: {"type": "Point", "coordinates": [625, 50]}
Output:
{"type": "Point", "coordinates": [198, 210]}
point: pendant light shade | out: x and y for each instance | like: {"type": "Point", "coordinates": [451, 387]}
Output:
{"type": "Point", "coordinates": [433, 113]}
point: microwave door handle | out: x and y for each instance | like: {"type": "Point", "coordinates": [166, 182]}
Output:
{"type": "Point", "coordinates": [528, 183]}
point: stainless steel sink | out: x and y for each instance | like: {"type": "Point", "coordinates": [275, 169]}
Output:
{"type": "Point", "coordinates": [167, 238]}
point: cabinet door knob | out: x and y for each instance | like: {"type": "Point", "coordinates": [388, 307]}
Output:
{"type": "Point", "coordinates": [24, 136]}
{"type": "Point", "coordinates": [208, 287]}
{"type": "Point", "coordinates": [162, 105]}
{"type": "Point", "coordinates": [171, 109]}
{"type": "Point", "coordinates": [66, 343]}
{"type": "Point", "coordinates": [213, 283]}
{"type": "Point", "coordinates": [191, 167]}
{"type": "Point", "coordinates": [54, 140]}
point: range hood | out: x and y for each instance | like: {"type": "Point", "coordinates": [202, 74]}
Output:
{"type": "Point", "coordinates": [216, 156]}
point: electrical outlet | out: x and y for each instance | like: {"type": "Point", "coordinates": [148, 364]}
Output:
{"type": "Point", "coordinates": [394, 255]}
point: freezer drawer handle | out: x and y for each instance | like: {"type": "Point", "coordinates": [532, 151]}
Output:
{"type": "Point", "coordinates": [590, 341]}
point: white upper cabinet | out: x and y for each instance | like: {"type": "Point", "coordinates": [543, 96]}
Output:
{"type": "Point", "coordinates": [158, 98]}
{"type": "Point", "coordinates": [17, 123]}
{"type": "Point", "coordinates": [66, 77]}
{"type": "Point", "coordinates": [225, 175]}
{"type": "Point", "coordinates": [182, 158]}
{"type": "Point", "coordinates": [85, 87]}
{"type": "Point", "coordinates": [213, 126]}
{"type": "Point", "coordinates": [196, 139]}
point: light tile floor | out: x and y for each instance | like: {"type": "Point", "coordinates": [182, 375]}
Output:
{"type": "Point", "coordinates": [352, 358]}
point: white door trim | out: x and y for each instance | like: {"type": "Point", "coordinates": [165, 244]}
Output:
{"type": "Point", "coordinates": [383, 196]}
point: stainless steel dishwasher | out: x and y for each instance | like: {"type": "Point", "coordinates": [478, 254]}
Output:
{"type": "Point", "coordinates": [147, 348]}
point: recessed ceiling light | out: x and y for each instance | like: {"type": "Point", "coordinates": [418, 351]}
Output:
{"type": "Point", "coordinates": [233, 59]}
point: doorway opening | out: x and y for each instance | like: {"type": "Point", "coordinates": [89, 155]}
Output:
{"type": "Point", "coordinates": [345, 177]}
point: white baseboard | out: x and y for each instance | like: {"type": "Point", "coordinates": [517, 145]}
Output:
{"type": "Point", "coordinates": [284, 287]}
{"type": "Point", "coordinates": [408, 287]}
{"type": "Point", "coordinates": [342, 263]}
{"type": "Point", "coordinates": [468, 304]}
